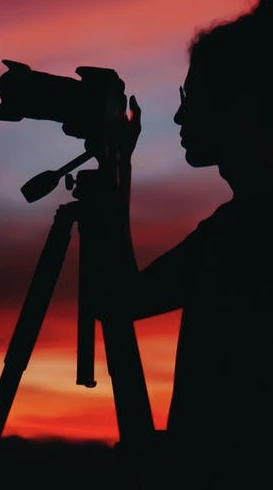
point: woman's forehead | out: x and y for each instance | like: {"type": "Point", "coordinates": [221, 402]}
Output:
{"type": "Point", "coordinates": [193, 76]}
{"type": "Point", "coordinates": [196, 79]}
{"type": "Point", "coordinates": [186, 83]}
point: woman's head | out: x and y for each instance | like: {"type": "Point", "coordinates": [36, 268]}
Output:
{"type": "Point", "coordinates": [229, 89]}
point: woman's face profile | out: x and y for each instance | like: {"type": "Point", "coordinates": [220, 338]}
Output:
{"type": "Point", "coordinates": [197, 120]}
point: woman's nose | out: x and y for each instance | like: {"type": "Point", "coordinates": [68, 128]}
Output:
{"type": "Point", "coordinates": [178, 116]}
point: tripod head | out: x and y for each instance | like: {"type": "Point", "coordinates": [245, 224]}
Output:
{"type": "Point", "coordinates": [86, 108]}
{"type": "Point", "coordinates": [45, 182]}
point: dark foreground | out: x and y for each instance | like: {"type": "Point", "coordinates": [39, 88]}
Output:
{"type": "Point", "coordinates": [60, 464]}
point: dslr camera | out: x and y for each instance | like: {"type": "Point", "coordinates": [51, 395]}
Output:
{"type": "Point", "coordinates": [84, 107]}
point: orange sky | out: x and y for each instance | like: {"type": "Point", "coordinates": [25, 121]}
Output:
{"type": "Point", "coordinates": [145, 41]}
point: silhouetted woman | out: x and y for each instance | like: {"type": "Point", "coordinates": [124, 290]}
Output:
{"type": "Point", "coordinates": [220, 419]}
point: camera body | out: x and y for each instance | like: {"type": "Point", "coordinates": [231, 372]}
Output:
{"type": "Point", "coordinates": [85, 107]}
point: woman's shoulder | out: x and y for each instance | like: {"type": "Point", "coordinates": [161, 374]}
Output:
{"type": "Point", "coordinates": [221, 216]}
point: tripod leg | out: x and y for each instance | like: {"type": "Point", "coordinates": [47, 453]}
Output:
{"type": "Point", "coordinates": [86, 319]}
{"type": "Point", "coordinates": [101, 261]}
{"type": "Point", "coordinates": [133, 409]}
{"type": "Point", "coordinates": [34, 308]}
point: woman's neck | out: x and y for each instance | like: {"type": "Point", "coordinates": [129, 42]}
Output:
{"type": "Point", "coordinates": [247, 177]}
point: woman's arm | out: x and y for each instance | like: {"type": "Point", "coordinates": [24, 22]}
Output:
{"type": "Point", "coordinates": [161, 286]}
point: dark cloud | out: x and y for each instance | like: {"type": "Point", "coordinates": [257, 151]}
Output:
{"type": "Point", "coordinates": [162, 214]}
{"type": "Point", "coordinates": [20, 251]}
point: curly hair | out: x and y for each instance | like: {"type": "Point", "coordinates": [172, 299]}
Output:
{"type": "Point", "coordinates": [236, 56]}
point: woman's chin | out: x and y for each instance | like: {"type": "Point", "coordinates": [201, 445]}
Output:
{"type": "Point", "coordinates": [198, 159]}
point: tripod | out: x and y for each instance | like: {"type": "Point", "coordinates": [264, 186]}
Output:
{"type": "Point", "coordinates": [133, 411]}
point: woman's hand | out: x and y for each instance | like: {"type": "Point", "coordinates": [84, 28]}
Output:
{"type": "Point", "coordinates": [105, 148]}
{"type": "Point", "coordinates": [133, 127]}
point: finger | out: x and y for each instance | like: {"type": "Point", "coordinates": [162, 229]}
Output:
{"type": "Point", "coordinates": [134, 107]}
{"type": "Point", "coordinates": [135, 115]}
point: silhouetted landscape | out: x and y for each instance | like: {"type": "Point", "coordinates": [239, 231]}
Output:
{"type": "Point", "coordinates": [220, 277]}
{"type": "Point", "coordinates": [56, 462]}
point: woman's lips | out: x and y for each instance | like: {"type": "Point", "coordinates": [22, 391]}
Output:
{"type": "Point", "coordinates": [183, 142]}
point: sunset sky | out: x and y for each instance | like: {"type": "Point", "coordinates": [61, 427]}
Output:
{"type": "Point", "coordinates": [145, 41]}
